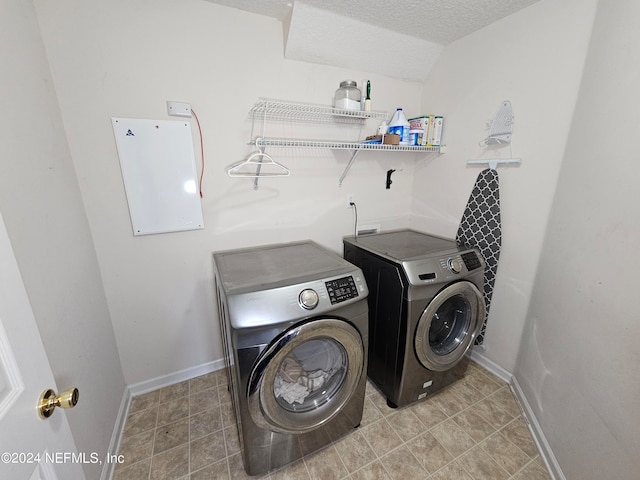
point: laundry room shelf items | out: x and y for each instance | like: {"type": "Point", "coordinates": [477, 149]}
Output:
{"type": "Point", "coordinates": [269, 109]}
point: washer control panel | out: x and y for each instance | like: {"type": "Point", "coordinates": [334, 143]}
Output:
{"type": "Point", "coordinates": [341, 289]}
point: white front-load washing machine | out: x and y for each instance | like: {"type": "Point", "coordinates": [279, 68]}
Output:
{"type": "Point", "coordinates": [425, 310]}
{"type": "Point", "coordinates": [294, 321]}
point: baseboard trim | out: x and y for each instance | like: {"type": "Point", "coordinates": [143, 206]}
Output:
{"type": "Point", "coordinates": [116, 436]}
{"type": "Point", "coordinates": [490, 365]}
{"type": "Point", "coordinates": [175, 377]}
{"type": "Point", "coordinates": [544, 448]}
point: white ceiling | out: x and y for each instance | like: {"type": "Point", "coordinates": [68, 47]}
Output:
{"type": "Point", "coordinates": [437, 21]}
{"type": "Point", "coordinates": [344, 32]}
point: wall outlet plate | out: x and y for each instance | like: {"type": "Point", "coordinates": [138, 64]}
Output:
{"type": "Point", "coordinates": [178, 109]}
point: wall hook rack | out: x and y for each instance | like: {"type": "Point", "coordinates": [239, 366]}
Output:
{"type": "Point", "coordinates": [494, 162]}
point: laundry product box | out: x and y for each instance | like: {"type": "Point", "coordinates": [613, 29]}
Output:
{"type": "Point", "coordinates": [432, 126]}
{"type": "Point", "coordinates": [435, 130]}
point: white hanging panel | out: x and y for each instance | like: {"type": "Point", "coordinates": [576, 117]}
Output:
{"type": "Point", "coordinates": [159, 173]}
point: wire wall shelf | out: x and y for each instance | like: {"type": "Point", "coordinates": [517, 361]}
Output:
{"type": "Point", "coordinates": [339, 145]}
{"type": "Point", "coordinates": [267, 109]}
{"type": "Point", "coordinates": [270, 109]}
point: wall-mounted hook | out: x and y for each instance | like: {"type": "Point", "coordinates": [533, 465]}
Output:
{"type": "Point", "coordinates": [389, 182]}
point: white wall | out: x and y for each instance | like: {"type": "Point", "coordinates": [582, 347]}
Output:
{"type": "Point", "coordinates": [533, 58]}
{"type": "Point", "coordinates": [45, 218]}
{"type": "Point", "coordinates": [126, 58]}
{"type": "Point", "coordinates": [578, 363]}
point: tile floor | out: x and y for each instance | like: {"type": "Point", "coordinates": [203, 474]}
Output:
{"type": "Point", "coordinates": [473, 430]}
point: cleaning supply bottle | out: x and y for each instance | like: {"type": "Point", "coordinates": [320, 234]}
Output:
{"type": "Point", "coordinates": [400, 126]}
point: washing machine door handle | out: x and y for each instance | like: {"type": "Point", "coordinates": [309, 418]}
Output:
{"type": "Point", "coordinates": [293, 395]}
{"type": "Point", "coordinates": [449, 325]}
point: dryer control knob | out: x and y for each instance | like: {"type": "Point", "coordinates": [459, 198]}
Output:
{"type": "Point", "coordinates": [308, 299]}
{"type": "Point", "coordinates": [454, 264]}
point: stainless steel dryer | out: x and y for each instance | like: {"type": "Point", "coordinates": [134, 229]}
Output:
{"type": "Point", "coordinates": [294, 319]}
{"type": "Point", "coordinates": [425, 310]}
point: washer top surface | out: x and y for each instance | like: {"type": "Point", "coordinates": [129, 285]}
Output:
{"type": "Point", "coordinates": [277, 265]}
{"type": "Point", "coordinates": [404, 245]}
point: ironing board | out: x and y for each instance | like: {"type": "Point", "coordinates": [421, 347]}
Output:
{"type": "Point", "coordinates": [480, 228]}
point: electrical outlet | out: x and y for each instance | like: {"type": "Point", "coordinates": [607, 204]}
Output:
{"type": "Point", "coordinates": [350, 200]}
{"type": "Point", "coordinates": [178, 109]}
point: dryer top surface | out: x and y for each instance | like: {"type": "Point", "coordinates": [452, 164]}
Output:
{"type": "Point", "coordinates": [404, 245]}
{"type": "Point", "coordinates": [277, 265]}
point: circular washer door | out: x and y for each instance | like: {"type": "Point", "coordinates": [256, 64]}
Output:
{"type": "Point", "coordinates": [306, 376]}
{"type": "Point", "coordinates": [449, 325]}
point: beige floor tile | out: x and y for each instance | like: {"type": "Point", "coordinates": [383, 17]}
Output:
{"type": "Point", "coordinates": [401, 465]}
{"type": "Point", "coordinates": [453, 438]}
{"type": "Point", "coordinates": [429, 452]}
{"type": "Point", "coordinates": [481, 466]}
{"type": "Point", "coordinates": [142, 421]}
{"type": "Point", "coordinates": [325, 464]}
{"type": "Point", "coordinates": [485, 384]}
{"type": "Point", "coordinates": [173, 410]}
{"type": "Point", "coordinates": [505, 453]}
{"type": "Point", "coordinates": [170, 465]}
{"type": "Point", "coordinates": [177, 390]}
{"type": "Point", "coordinates": [381, 437]}
{"type": "Point", "coordinates": [370, 413]}
{"type": "Point", "coordinates": [518, 433]}
{"type": "Point", "coordinates": [493, 413]}
{"type": "Point", "coordinates": [472, 423]}
{"type": "Point", "coordinates": [215, 471]}
{"type": "Point", "coordinates": [170, 436]}
{"type": "Point", "coordinates": [144, 401]}
{"type": "Point", "coordinates": [429, 413]}
{"type": "Point", "coordinates": [465, 392]}
{"type": "Point", "coordinates": [453, 471]}
{"type": "Point", "coordinates": [533, 471]}
{"type": "Point", "coordinates": [136, 447]}
{"type": "Point", "coordinates": [204, 400]}
{"type": "Point", "coordinates": [406, 424]}
{"type": "Point", "coordinates": [473, 430]}
{"type": "Point", "coordinates": [380, 401]}
{"type": "Point", "coordinates": [206, 450]}
{"type": "Point", "coordinates": [203, 382]}
{"type": "Point", "coordinates": [373, 471]}
{"type": "Point", "coordinates": [295, 471]}
{"type": "Point", "coordinates": [134, 471]}
{"type": "Point", "coordinates": [448, 402]}
{"type": "Point", "coordinates": [205, 423]}
{"type": "Point", "coordinates": [354, 451]}
{"type": "Point", "coordinates": [505, 399]}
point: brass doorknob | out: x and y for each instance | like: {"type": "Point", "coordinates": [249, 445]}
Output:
{"type": "Point", "coordinates": [49, 401]}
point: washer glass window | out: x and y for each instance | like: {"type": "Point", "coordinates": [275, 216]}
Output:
{"type": "Point", "coordinates": [310, 375]}
{"type": "Point", "coordinates": [449, 325]}
{"type": "Point", "coordinates": [305, 377]}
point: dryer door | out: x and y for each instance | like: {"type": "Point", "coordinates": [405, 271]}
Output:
{"type": "Point", "coordinates": [306, 376]}
{"type": "Point", "coordinates": [449, 325]}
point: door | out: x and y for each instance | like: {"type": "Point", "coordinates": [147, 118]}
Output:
{"type": "Point", "coordinates": [306, 376]}
{"type": "Point", "coordinates": [449, 325]}
{"type": "Point", "coordinates": [30, 448]}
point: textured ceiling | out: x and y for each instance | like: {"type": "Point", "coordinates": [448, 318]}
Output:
{"type": "Point", "coordinates": [343, 33]}
{"type": "Point", "coordinates": [437, 21]}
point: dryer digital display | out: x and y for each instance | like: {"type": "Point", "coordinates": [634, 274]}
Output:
{"type": "Point", "coordinates": [341, 289]}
